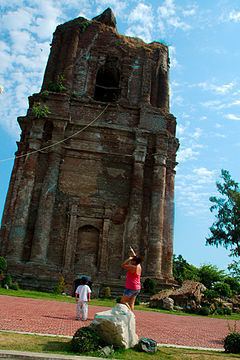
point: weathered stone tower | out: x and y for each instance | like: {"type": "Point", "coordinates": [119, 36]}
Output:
{"type": "Point", "coordinates": [84, 194]}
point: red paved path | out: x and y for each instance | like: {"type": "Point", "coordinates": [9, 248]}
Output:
{"type": "Point", "coordinates": [54, 317]}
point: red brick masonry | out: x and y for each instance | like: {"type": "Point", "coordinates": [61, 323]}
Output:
{"type": "Point", "coordinates": [54, 317]}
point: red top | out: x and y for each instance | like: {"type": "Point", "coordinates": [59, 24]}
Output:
{"type": "Point", "coordinates": [133, 281]}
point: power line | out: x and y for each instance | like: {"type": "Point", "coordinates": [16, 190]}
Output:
{"type": "Point", "coordinates": [56, 143]}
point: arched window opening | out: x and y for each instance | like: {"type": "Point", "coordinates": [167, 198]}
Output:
{"type": "Point", "coordinates": [107, 82]}
{"type": "Point", "coordinates": [47, 131]}
{"type": "Point", "coordinates": [87, 250]}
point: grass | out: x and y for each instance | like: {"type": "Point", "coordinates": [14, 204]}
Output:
{"type": "Point", "coordinates": [33, 294]}
{"type": "Point", "coordinates": [61, 345]}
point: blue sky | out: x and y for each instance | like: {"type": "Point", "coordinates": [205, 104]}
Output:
{"type": "Point", "coordinates": [205, 93]}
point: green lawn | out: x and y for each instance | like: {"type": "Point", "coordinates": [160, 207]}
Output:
{"type": "Point", "coordinates": [98, 302]}
{"type": "Point", "coordinates": [61, 345]}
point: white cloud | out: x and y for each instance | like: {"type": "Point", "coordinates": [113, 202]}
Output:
{"type": "Point", "coordinates": [234, 16]}
{"type": "Point", "coordinates": [169, 15]}
{"type": "Point", "coordinates": [141, 22]}
{"type": "Point", "coordinates": [232, 117]}
{"type": "Point", "coordinates": [17, 20]}
{"type": "Point", "coordinates": [213, 104]}
{"type": "Point", "coordinates": [204, 175]}
{"type": "Point", "coordinates": [218, 89]}
{"type": "Point", "coordinates": [236, 103]}
{"type": "Point", "coordinates": [172, 54]}
{"type": "Point", "coordinates": [186, 154]}
{"type": "Point", "coordinates": [20, 41]}
{"type": "Point", "coordinates": [193, 190]}
{"type": "Point", "coordinates": [181, 130]}
{"type": "Point", "coordinates": [196, 134]}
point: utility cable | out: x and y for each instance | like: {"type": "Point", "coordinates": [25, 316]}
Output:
{"type": "Point", "coordinates": [56, 143]}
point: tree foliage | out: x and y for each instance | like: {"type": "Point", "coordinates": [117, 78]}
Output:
{"type": "Point", "coordinates": [182, 270]}
{"type": "Point", "coordinates": [209, 274]}
{"type": "Point", "coordinates": [234, 269]}
{"type": "Point", "coordinates": [225, 231]}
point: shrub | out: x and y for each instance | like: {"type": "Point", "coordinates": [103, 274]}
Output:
{"type": "Point", "coordinates": [210, 294]}
{"type": "Point", "coordinates": [223, 311]}
{"type": "Point", "coordinates": [137, 300]}
{"type": "Point", "coordinates": [118, 299]}
{"type": "Point", "coordinates": [60, 286]}
{"type": "Point", "coordinates": [149, 286]}
{"type": "Point", "coordinates": [233, 283]}
{"type": "Point", "coordinates": [232, 343]}
{"type": "Point", "coordinates": [3, 264]}
{"type": "Point", "coordinates": [39, 110]}
{"type": "Point", "coordinates": [58, 86]}
{"type": "Point", "coordinates": [205, 311]}
{"type": "Point", "coordinates": [106, 292]}
{"type": "Point", "coordinates": [15, 286]}
{"type": "Point", "coordinates": [44, 94]}
{"type": "Point", "coordinates": [85, 340]}
{"type": "Point", "coordinates": [222, 289]}
{"type": "Point", "coordinates": [227, 311]}
{"type": "Point", "coordinates": [7, 281]}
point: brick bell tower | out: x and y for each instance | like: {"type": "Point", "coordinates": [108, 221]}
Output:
{"type": "Point", "coordinates": [100, 173]}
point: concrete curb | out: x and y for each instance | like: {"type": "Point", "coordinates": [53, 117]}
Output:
{"type": "Point", "coordinates": [10, 354]}
{"type": "Point", "coordinates": [191, 347]}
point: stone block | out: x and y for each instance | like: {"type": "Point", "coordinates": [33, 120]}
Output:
{"type": "Point", "coordinates": [117, 326]}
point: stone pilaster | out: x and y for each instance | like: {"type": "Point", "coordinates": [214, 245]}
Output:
{"type": "Point", "coordinates": [168, 231]}
{"type": "Point", "coordinates": [70, 47]}
{"type": "Point", "coordinates": [103, 253]}
{"type": "Point", "coordinates": [154, 252]}
{"type": "Point", "coordinates": [8, 213]}
{"type": "Point", "coordinates": [46, 207]}
{"type": "Point", "coordinates": [146, 81]}
{"type": "Point", "coordinates": [71, 240]}
{"type": "Point", "coordinates": [134, 220]}
{"type": "Point", "coordinates": [21, 214]}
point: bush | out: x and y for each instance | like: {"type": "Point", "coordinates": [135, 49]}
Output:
{"type": "Point", "coordinates": [60, 286]}
{"type": "Point", "coordinates": [223, 311]}
{"type": "Point", "coordinates": [234, 284]}
{"type": "Point", "coordinates": [232, 343]}
{"type": "Point", "coordinates": [40, 111]}
{"type": "Point", "coordinates": [3, 264]}
{"type": "Point", "coordinates": [137, 300]}
{"type": "Point", "coordinates": [118, 299]}
{"type": "Point", "coordinates": [7, 281]}
{"type": "Point", "coordinates": [86, 340]}
{"type": "Point", "coordinates": [210, 294]}
{"type": "Point", "coordinates": [15, 286]}
{"type": "Point", "coordinates": [149, 286]}
{"type": "Point", "coordinates": [222, 289]}
{"type": "Point", "coordinates": [106, 292]}
{"type": "Point", "coordinates": [58, 86]}
{"type": "Point", "coordinates": [205, 311]}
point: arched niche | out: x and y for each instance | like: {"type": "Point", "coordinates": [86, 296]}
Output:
{"type": "Point", "coordinates": [107, 87]}
{"type": "Point", "coordinates": [86, 255]}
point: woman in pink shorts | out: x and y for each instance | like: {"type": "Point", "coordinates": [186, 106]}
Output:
{"type": "Point", "coordinates": [133, 284]}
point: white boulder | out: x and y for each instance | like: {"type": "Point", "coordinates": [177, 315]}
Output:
{"type": "Point", "coordinates": [117, 326]}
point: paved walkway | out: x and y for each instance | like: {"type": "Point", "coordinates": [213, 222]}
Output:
{"type": "Point", "coordinates": [54, 317]}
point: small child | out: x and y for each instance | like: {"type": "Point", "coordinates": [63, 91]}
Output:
{"type": "Point", "coordinates": [82, 296]}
